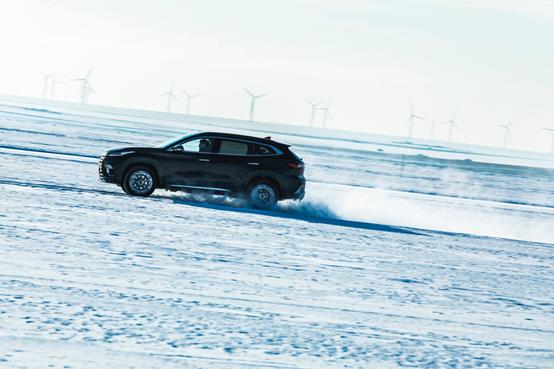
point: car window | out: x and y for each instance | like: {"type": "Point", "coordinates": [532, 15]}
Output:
{"type": "Point", "coordinates": [262, 150]}
{"type": "Point", "coordinates": [197, 145]}
{"type": "Point", "coordinates": [172, 141]}
{"type": "Point", "coordinates": [230, 147]}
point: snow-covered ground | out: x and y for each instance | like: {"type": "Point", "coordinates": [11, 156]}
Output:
{"type": "Point", "coordinates": [403, 254]}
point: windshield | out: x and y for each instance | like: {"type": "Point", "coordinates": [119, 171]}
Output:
{"type": "Point", "coordinates": [172, 141]}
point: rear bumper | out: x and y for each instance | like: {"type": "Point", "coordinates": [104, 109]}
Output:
{"type": "Point", "coordinates": [295, 188]}
{"type": "Point", "coordinates": [299, 194]}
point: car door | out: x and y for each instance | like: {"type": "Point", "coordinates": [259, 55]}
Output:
{"type": "Point", "coordinates": [230, 163]}
{"type": "Point", "coordinates": [187, 164]}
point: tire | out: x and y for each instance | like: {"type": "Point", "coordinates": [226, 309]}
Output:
{"type": "Point", "coordinates": [262, 195]}
{"type": "Point", "coordinates": [139, 181]}
{"type": "Point", "coordinates": [124, 189]}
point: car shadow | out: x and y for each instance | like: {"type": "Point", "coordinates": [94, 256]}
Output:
{"type": "Point", "coordinates": [287, 213]}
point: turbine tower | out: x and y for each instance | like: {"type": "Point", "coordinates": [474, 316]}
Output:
{"type": "Point", "coordinates": [53, 88]}
{"type": "Point", "coordinates": [313, 111]}
{"type": "Point", "coordinates": [253, 99]}
{"type": "Point", "coordinates": [189, 98]}
{"type": "Point", "coordinates": [170, 96]}
{"type": "Point", "coordinates": [46, 78]}
{"type": "Point", "coordinates": [86, 87]}
{"type": "Point", "coordinates": [451, 124]}
{"type": "Point", "coordinates": [507, 132]}
{"type": "Point", "coordinates": [552, 142]}
{"type": "Point", "coordinates": [411, 120]}
{"type": "Point", "coordinates": [326, 113]}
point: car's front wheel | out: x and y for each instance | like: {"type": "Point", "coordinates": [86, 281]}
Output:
{"type": "Point", "coordinates": [262, 195]}
{"type": "Point", "coordinates": [139, 181]}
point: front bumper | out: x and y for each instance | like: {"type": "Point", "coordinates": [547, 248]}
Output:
{"type": "Point", "coordinates": [106, 171]}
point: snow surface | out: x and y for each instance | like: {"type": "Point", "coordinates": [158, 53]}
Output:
{"type": "Point", "coordinates": [402, 254]}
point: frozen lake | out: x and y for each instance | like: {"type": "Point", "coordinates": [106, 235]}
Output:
{"type": "Point", "coordinates": [403, 254]}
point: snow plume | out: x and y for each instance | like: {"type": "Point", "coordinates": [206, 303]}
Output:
{"type": "Point", "coordinates": [308, 208]}
{"type": "Point", "coordinates": [404, 209]}
{"type": "Point", "coordinates": [305, 209]}
{"type": "Point", "coordinates": [441, 213]}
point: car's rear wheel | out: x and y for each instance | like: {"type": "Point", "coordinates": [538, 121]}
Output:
{"type": "Point", "coordinates": [139, 181]}
{"type": "Point", "coordinates": [262, 195]}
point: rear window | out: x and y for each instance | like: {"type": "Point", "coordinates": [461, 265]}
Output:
{"type": "Point", "coordinates": [262, 150]}
{"type": "Point", "coordinates": [229, 147]}
{"type": "Point", "coordinates": [295, 156]}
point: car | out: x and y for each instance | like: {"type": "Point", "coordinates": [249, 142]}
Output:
{"type": "Point", "coordinates": [260, 170]}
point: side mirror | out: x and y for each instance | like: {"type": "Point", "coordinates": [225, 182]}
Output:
{"type": "Point", "coordinates": [177, 148]}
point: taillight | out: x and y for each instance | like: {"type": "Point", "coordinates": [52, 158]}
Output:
{"type": "Point", "coordinates": [295, 165]}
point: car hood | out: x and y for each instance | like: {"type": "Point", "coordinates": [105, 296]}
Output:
{"type": "Point", "coordinates": [122, 151]}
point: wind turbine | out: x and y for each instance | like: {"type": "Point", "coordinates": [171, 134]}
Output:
{"type": "Point", "coordinates": [253, 99]}
{"type": "Point", "coordinates": [507, 132]}
{"type": "Point", "coordinates": [552, 143]}
{"type": "Point", "coordinates": [313, 111]}
{"type": "Point", "coordinates": [53, 88]}
{"type": "Point", "coordinates": [189, 98]}
{"type": "Point", "coordinates": [86, 87]}
{"type": "Point", "coordinates": [411, 120]}
{"type": "Point", "coordinates": [326, 113]}
{"type": "Point", "coordinates": [451, 124]}
{"type": "Point", "coordinates": [170, 96]}
{"type": "Point", "coordinates": [45, 84]}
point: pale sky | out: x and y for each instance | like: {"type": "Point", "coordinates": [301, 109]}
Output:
{"type": "Point", "coordinates": [493, 60]}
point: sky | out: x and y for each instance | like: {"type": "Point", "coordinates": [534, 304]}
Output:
{"type": "Point", "coordinates": [492, 61]}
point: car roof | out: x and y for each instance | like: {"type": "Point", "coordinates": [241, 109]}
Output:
{"type": "Point", "coordinates": [266, 140]}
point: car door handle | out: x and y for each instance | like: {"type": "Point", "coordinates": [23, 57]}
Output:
{"type": "Point", "coordinates": [253, 163]}
{"type": "Point", "coordinates": [205, 160]}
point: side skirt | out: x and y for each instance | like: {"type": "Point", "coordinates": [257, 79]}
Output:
{"type": "Point", "coordinates": [188, 188]}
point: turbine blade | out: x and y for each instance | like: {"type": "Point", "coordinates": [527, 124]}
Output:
{"type": "Point", "coordinates": [314, 104]}
{"type": "Point", "coordinates": [248, 92]}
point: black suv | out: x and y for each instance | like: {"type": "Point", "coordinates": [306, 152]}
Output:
{"type": "Point", "coordinates": [262, 170]}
